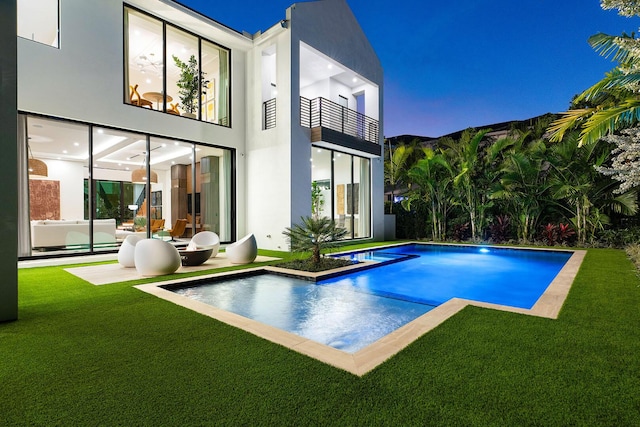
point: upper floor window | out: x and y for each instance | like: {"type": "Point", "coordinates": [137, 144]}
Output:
{"type": "Point", "coordinates": [38, 20]}
{"type": "Point", "coordinates": [171, 70]}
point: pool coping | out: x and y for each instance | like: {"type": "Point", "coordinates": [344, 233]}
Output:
{"type": "Point", "coordinates": [359, 363]}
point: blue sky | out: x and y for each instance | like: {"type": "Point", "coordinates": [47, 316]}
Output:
{"type": "Point", "coordinates": [450, 65]}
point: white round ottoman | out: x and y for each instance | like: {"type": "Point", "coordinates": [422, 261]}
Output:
{"type": "Point", "coordinates": [207, 240]}
{"type": "Point", "coordinates": [244, 251]}
{"type": "Point", "coordinates": [154, 257]}
{"type": "Point", "coordinates": [127, 250]}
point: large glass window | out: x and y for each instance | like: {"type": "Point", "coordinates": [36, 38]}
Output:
{"type": "Point", "coordinates": [183, 69]}
{"type": "Point", "coordinates": [145, 64]}
{"type": "Point", "coordinates": [341, 190]}
{"type": "Point", "coordinates": [195, 81]}
{"type": "Point", "coordinates": [128, 183]}
{"type": "Point", "coordinates": [38, 20]}
{"type": "Point", "coordinates": [215, 96]}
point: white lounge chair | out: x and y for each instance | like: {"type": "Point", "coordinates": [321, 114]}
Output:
{"type": "Point", "coordinates": [244, 251]}
{"type": "Point", "coordinates": [154, 257]}
{"type": "Point", "coordinates": [127, 251]}
{"type": "Point", "coordinates": [206, 240]}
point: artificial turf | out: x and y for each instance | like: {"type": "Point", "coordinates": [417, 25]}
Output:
{"type": "Point", "coordinates": [113, 355]}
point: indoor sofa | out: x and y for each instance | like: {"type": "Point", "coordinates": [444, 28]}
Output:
{"type": "Point", "coordinates": [62, 233]}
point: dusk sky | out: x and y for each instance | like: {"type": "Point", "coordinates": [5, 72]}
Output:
{"type": "Point", "coordinates": [450, 65]}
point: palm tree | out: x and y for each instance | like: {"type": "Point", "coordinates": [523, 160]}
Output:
{"type": "Point", "coordinates": [468, 170]}
{"type": "Point", "coordinates": [611, 104]}
{"type": "Point", "coordinates": [579, 189]}
{"type": "Point", "coordinates": [314, 235]}
{"type": "Point", "coordinates": [522, 186]}
{"type": "Point", "coordinates": [430, 179]}
{"type": "Point", "coordinates": [395, 169]}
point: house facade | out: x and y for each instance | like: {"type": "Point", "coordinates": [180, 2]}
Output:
{"type": "Point", "coordinates": [135, 115]}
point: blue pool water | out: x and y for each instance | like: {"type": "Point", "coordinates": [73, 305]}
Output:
{"type": "Point", "coordinates": [351, 311]}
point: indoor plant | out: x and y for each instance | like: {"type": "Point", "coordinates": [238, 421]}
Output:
{"type": "Point", "coordinates": [189, 83]}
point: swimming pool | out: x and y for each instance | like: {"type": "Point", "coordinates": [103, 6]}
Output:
{"type": "Point", "coordinates": [351, 311]}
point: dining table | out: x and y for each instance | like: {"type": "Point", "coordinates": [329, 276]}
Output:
{"type": "Point", "coordinates": [156, 97]}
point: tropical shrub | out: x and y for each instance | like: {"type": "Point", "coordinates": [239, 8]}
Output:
{"type": "Point", "coordinates": [500, 229]}
{"type": "Point", "coordinates": [314, 235]}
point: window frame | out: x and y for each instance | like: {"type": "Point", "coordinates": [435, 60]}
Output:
{"type": "Point", "coordinates": [200, 40]}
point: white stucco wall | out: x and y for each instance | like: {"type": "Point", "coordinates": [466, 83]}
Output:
{"type": "Point", "coordinates": [330, 27]}
{"type": "Point", "coordinates": [268, 152]}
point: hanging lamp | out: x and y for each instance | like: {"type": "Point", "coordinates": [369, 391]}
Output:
{"type": "Point", "coordinates": [36, 168]}
{"type": "Point", "coordinates": [139, 176]}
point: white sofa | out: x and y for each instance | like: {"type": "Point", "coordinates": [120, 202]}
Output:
{"type": "Point", "coordinates": [60, 233]}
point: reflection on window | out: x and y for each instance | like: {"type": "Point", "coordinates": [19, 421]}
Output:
{"type": "Point", "coordinates": [196, 75]}
{"type": "Point", "coordinates": [38, 21]}
{"type": "Point", "coordinates": [341, 190]}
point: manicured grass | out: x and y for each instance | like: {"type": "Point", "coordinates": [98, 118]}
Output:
{"type": "Point", "coordinates": [112, 355]}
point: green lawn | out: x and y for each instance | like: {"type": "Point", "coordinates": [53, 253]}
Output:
{"type": "Point", "coordinates": [113, 355]}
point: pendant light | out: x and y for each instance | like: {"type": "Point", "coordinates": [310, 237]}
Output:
{"type": "Point", "coordinates": [37, 168]}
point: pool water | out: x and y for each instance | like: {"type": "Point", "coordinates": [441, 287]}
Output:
{"type": "Point", "coordinates": [351, 311]}
{"type": "Point", "coordinates": [331, 315]}
{"type": "Point", "coordinates": [433, 274]}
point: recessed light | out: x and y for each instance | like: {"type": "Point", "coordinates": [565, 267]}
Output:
{"type": "Point", "coordinates": [76, 144]}
{"type": "Point", "coordinates": [64, 151]}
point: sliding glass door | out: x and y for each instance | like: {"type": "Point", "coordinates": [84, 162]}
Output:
{"type": "Point", "coordinates": [87, 187]}
{"type": "Point", "coordinates": [341, 190]}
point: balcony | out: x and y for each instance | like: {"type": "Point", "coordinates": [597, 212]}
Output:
{"type": "Point", "coordinates": [334, 124]}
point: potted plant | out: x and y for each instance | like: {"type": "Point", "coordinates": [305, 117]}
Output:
{"type": "Point", "coordinates": [191, 84]}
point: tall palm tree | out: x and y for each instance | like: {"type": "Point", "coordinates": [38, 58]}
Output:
{"type": "Point", "coordinates": [522, 186]}
{"type": "Point", "coordinates": [468, 169]}
{"type": "Point", "coordinates": [430, 180]}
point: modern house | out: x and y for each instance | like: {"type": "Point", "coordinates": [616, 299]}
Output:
{"type": "Point", "coordinates": [136, 114]}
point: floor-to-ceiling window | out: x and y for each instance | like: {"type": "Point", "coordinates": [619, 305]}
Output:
{"type": "Point", "coordinates": [85, 180]}
{"type": "Point", "coordinates": [341, 190]}
{"type": "Point", "coordinates": [174, 71]}
{"type": "Point", "coordinates": [52, 210]}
